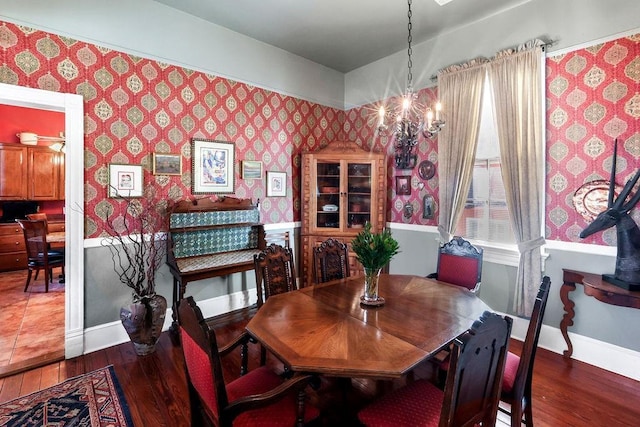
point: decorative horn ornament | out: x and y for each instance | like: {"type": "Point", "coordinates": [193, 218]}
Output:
{"type": "Point", "coordinates": [627, 274]}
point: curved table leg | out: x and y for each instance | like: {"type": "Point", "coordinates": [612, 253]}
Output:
{"type": "Point", "coordinates": [567, 318]}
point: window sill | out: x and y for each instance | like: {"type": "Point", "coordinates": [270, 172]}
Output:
{"type": "Point", "coordinates": [504, 254]}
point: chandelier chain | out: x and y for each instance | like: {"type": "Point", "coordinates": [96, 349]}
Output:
{"type": "Point", "coordinates": [409, 40]}
{"type": "Point", "coordinates": [406, 121]}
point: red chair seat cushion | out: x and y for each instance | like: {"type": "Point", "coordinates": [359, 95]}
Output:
{"type": "Point", "coordinates": [417, 404]}
{"type": "Point", "coordinates": [510, 371]}
{"type": "Point", "coordinates": [281, 413]}
{"type": "Point", "coordinates": [461, 271]}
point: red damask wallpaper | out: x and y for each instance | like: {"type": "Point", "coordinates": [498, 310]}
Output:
{"type": "Point", "coordinates": [136, 106]}
{"type": "Point", "coordinates": [593, 97]}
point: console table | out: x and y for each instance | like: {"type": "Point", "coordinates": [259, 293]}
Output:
{"type": "Point", "coordinates": [595, 287]}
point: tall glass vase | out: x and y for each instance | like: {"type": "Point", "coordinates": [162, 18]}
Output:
{"type": "Point", "coordinates": [371, 279]}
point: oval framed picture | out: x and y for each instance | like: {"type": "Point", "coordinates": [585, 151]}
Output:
{"type": "Point", "coordinates": [426, 169]}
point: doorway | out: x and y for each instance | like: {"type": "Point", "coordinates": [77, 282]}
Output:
{"type": "Point", "coordinates": [72, 106]}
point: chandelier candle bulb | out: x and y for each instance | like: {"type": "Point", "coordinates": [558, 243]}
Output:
{"type": "Point", "coordinates": [438, 109]}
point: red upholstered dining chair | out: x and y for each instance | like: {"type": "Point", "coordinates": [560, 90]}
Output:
{"type": "Point", "coordinates": [330, 261]}
{"type": "Point", "coordinates": [259, 397]}
{"type": "Point", "coordinates": [39, 255]}
{"type": "Point", "coordinates": [472, 391]}
{"type": "Point", "coordinates": [516, 384]}
{"type": "Point", "coordinates": [459, 263]}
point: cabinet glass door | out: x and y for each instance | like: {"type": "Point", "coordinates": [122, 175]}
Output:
{"type": "Point", "coordinates": [328, 195]}
{"type": "Point", "coordinates": [359, 201]}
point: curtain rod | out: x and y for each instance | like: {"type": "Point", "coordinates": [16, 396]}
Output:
{"type": "Point", "coordinates": [544, 48]}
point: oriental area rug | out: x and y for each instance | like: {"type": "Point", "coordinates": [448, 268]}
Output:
{"type": "Point", "coordinates": [94, 399]}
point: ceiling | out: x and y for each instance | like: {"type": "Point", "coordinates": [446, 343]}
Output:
{"type": "Point", "coordinates": [341, 34]}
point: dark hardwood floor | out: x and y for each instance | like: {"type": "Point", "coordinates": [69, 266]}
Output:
{"type": "Point", "coordinates": [565, 393]}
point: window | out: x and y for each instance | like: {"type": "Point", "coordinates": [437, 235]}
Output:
{"type": "Point", "coordinates": [485, 216]}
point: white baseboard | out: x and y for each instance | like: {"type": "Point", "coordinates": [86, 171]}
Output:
{"type": "Point", "coordinates": [606, 356]}
{"type": "Point", "coordinates": [73, 343]}
{"type": "Point", "coordinates": [110, 334]}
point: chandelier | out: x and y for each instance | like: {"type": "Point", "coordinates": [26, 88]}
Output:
{"type": "Point", "coordinates": [410, 119]}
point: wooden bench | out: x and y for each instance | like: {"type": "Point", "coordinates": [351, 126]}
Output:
{"type": "Point", "coordinates": [210, 239]}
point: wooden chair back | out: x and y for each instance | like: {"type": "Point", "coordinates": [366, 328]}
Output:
{"type": "Point", "coordinates": [331, 261]}
{"type": "Point", "coordinates": [281, 239]}
{"type": "Point", "coordinates": [39, 255]}
{"type": "Point", "coordinates": [460, 263]}
{"type": "Point", "coordinates": [41, 217]}
{"type": "Point", "coordinates": [472, 391]}
{"type": "Point", "coordinates": [519, 395]}
{"type": "Point", "coordinates": [205, 380]}
{"type": "Point", "coordinates": [275, 272]}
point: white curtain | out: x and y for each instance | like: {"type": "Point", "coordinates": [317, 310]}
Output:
{"type": "Point", "coordinates": [516, 78]}
{"type": "Point", "coordinates": [460, 90]}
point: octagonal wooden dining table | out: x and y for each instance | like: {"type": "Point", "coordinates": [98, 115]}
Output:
{"type": "Point", "coordinates": [324, 329]}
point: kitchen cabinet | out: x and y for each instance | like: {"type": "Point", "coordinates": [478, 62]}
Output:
{"type": "Point", "coordinates": [13, 252]}
{"type": "Point", "coordinates": [45, 167]}
{"type": "Point", "coordinates": [13, 172]}
{"type": "Point", "coordinates": [31, 173]}
{"type": "Point", "coordinates": [343, 187]}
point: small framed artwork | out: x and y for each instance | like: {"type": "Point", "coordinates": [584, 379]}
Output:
{"type": "Point", "coordinates": [428, 207]}
{"type": "Point", "coordinates": [251, 169]}
{"type": "Point", "coordinates": [212, 168]}
{"type": "Point", "coordinates": [125, 180]}
{"type": "Point", "coordinates": [403, 185]}
{"type": "Point", "coordinates": [276, 184]}
{"type": "Point", "coordinates": [167, 164]}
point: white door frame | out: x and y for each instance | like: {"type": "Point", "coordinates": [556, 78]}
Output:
{"type": "Point", "coordinates": [72, 106]}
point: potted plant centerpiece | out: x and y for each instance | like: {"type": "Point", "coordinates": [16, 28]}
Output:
{"type": "Point", "coordinates": [137, 251]}
{"type": "Point", "coordinates": [373, 251]}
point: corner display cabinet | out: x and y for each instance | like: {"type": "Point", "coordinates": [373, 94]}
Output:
{"type": "Point", "coordinates": [343, 187]}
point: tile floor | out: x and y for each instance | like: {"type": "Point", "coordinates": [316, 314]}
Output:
{"type": "Point", "coordinates": [32, 322]}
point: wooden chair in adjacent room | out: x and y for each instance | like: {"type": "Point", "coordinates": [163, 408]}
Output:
{"type": "Point", "coordinates": [40, 217]}
{"type": "Point", "coordinates": [330, 261]}
{"type": "Point", "coordinates": [516, 384]}
{"type": "Point", "coordinates": [459, 263]}
{"type": "Point", "coordinates": [39, 255]}
{"type": "Point", "coordinates": [258, 397]}
{"type": "Point", "coordinates": [472, 391]}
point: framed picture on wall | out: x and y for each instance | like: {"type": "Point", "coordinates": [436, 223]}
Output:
{"type": "Point", "coordinates": [428, 207]}
{"type": "Point", "coordinates": [125, 180]}
{"type": "Point", "coordinates": [212, 168]}
{"type": "Point", "coordinates": [167, 164]}
{"type": "Point", "coordinates": [251, 169]}
{"type": "Point", "coordinates": [403, 185]}
{"type": "Point", "coordinates": [276, 184]}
